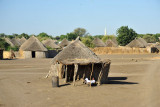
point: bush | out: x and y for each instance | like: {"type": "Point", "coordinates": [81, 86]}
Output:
{"type": "Point", "coordinates": [87, 42]}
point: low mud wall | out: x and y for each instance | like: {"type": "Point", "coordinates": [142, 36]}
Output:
{"type": "Point", "coordinates": [120, 50]}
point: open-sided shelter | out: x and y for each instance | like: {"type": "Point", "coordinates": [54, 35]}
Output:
{"type": "Point", "coordinates": [64, 43]}
{"type": "Point", "coordinates": [50, 43]}
{"type": "Point", "coordinates": [77, 61]}
{"type": "Point", "coordinates": [98, 42]}
{"type": "Point", "coordinates": [110, 43]}
{"type": "Point", "coordinates": [138, 42]}
{"type": "Point", "coordinates": [33, 48]}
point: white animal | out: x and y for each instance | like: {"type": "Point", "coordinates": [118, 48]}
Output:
{"type": "Point", "coordinates": [90, 81]}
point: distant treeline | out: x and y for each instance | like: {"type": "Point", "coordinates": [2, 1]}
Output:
{"type": "Point", "coordinates": [124, 36]}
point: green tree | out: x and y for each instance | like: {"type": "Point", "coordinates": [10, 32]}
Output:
{"type": "Point", "coordinates": [2, 35]}
{"type": "Point", "coordinates": [105, 38]}
{"type": "Point", "coordinates": [125, 35]}
{"type": "Point", "coordinates": [149, 38]}
{"type": "Point", "coordinates": [71, 36]}
{"type": "Point", "coordinates": [87, 41]}
{"type": "Point", "coordinates": [43, 35]}
{"type": "Point", "coordinates": [63, 36]}
{"type": "Point", "coordinates": [80, 32]}
{"type": "Point", "coordinates": [4, 45]}
{"type": "Point", "coordinates": [24, 35]}
{"type": "Point", "coordinates": [99, 36]}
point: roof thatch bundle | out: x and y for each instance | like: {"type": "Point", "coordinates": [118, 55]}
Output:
{"type": "Point", "coordinates": [15, 42]}
{"type": "Point", "coordinates": [139, 43]}
{"type": "Point", "coordinates": [76, 52]}
{"type": "Point", "coordinates": [98, 43]}
{"type": "Point", "coordinates": [22, 40]}
{"type": "Point", "coordinates": [32, 44]}
{"type": "Point", "coordinates": [9, 42]}
{"type": "Point", "coordinates": [50, 43]}
{"type": "Point", "coordinates": [110, 43]}
{"type": "Point", "coordinates": [64, 43]}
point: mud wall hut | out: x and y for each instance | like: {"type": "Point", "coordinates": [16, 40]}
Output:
{"type": "Point", "coordinates": [110, 43]}
{"type": "Point", "coordinates": [138, 42]}
{"type": "Point", "coordinates": [64, 43]}
{"type": "Point", "coordinates": [76, 62]}
{"type": "Point", "coordinates": [33, 48]}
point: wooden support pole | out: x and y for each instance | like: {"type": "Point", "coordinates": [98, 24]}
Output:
{"type": "Point", "coordinates": [75, 73]}
{"type": "Point", "coordinates": [66, 74]}
{"type": "Point", "coordinates": [91, 73]}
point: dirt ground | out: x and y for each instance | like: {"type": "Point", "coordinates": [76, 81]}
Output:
{"type": "Point", "coordinates": [133, 82]}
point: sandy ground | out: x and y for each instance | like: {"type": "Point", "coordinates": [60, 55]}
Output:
{"type": "Point", "coordinates": [133, 82]}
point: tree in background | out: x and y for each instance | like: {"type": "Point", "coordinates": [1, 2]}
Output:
{"type": "Point", "coordinates": [4, 45]}
{"type": "Point", "coordinates": [87, 41]}
{"type": "Point", "coordinates": [43, 36]}
{"type": "Point", "coordinates": [24, 35]}
{"type": "Point", "coordinates": [71, 36]}
{"type": "Point", "coordinates": [2, 35]}
{"type": "Point", "coordinates": [125, 35]}
{"type": "Point", "coordinates": [99, 36]}
{"type": "Point", "coordinates": [80, 32]}
{"type": "Point", "coordinates": [105, 38]}
{"type": "Point", "coordinates": [149, 38]}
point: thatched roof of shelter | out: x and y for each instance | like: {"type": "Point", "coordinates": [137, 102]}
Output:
{"type": "Point", "coordinates": [9, 41]}
{"type": "Point", "coordinates": [15, 42]}
{"type": "Point", "coordinates": [32, 44]}
{"type": "Point", "coordinates": [138, 42]}
{"type": "Point", "coordinates": [110, 43]}
{"type": "Point", "coordinates": [64, 43]}
{"type": "Point", "coordinates": [22, 40]}
{"type": "Point", "coordinates": [50, 43]}
{"type": "Point", "coordinates": [76, 53]}
{"type": "Point", "coordinates": [98, 43]}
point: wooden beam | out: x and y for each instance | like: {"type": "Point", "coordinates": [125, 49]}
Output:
{"type": "Point", "coordinates": [91, 73]}
{"type": "Point", "coordinates": [66, 74]}
{"type": "Point", "coordinates": [75, 73]}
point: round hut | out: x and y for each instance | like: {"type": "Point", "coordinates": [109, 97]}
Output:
{"type": "Point", "coordinates": [76, 62]}
{"type": "Point", "coordinates": [110, 43]}
{"type": "Point", "coordinates": [33, 48]}
{"type": "Point", "coordinates": [15, 42]}
{"type": "Point", "coordinates": [50, 43]}
{"type": "Point", "coordinates": [22, 40]}
{"type": "Point", "coordinates": [98, 43]}
{"type": "Point", "coordinates": [64, 43]}
{"type": "Point", "coordinates": [138, 43]}
{"type": "Point", "coordinates": [9, 42]}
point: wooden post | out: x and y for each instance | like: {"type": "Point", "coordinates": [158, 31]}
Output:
{"type": "Point", "coordinates": [75, 73]}
{"type": "Point", "coordinates": [100, 75]}
{"type": "Point", "coordinates": [91, 73]}
{"type": "Point", "coordinates": [66, 74]}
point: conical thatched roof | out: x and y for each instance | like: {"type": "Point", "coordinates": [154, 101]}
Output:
{"type": "Point", "coordinates": [76, 52]}
{"type": "Point", "coordinates": [64, 43]}
{"type": "Point", "coordinates": [32, 44]}
{"type": "Point", "coordinates": [98, 43]}
{"type": "Point", "coordinates": [110, 43]}
{"type": "Point", "coordinates": [22, 40]}
{"type": "Point", "coordinates": [9, 41]}
{"type": "Point", "coordinates": [15, 42]}
{"type": "Point", "coordinates": [115, 41]}
{"type": "Point", "coordinates": [50, 43]}
{"type": "Point", "coordinates": [140, 43]}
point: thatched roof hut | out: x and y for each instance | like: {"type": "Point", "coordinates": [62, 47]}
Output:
{"type": "Point", "coordinates": [98, 43]}
{"type": "Point", "coordinates": [9, 42]}
{"type": "Point", "coordinates": [138, 42]}
{"type": "Point", "coordinates": [50, 43]}
{"type": "Point", "coordinates": [110, 43]}
{"type": "Point", "coordinates": [33, 48]}
{"type": "Point", "coordinates": [15, 42]}
{"type": "Point", "coordinates": [78, 61]}
{"type": "Point", "coordinates": [64, 43]}
{"type": "Point", "coordinates": [22, 40]}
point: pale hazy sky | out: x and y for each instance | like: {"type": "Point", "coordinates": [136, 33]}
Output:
{"type": "Point", "coordinates": [56, 17]}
